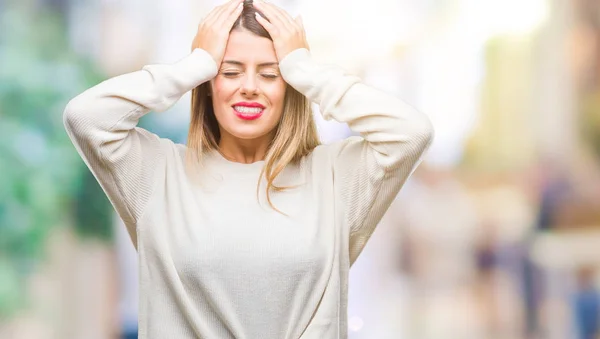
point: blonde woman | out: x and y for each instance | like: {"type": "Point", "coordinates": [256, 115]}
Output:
{"type": "Point", "coordinates": [250, 229]}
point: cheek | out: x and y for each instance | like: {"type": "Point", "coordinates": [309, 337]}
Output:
{"type": "Point", "coordinates": [277, 94]}
{"type": "Point", "coordinates": [222, 89]}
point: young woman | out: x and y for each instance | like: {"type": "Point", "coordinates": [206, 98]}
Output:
{"type": "Point", "coordinates": [250, 229]}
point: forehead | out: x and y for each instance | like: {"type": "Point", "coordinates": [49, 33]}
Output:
{"type": "Point", "coordinates": [249, 48]}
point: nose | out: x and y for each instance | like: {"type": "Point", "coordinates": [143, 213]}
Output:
{"type": "Point", "coordinates": [249, 85]}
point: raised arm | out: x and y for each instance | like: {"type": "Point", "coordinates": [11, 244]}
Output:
{"type": "Point", "coordinates": [369, 170]}
{"type": "Point", "coordinates": [101, 123]}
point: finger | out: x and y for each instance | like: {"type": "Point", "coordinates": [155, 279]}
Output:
{"type": "Point", "coordinates": [272, 13]}
{"type": "Point", "coordinates": [281, 12]}
{"type": "Point", "coordinates": [210, 15]}
{"type": "Point", "coordinates": [300, 24]}
{"type": "Point", "coordinates": [233, 16]}
{"type": "Point", "coordinates": [265, 23]}
{"type": "Point", "coordinates": [277, 19]}
{"type": "Point", "coordinates": [217, 12]}
{"type": "Point", "coordinates": [230, 9]}
{"type": "Point", "coordinates": [220, 8]}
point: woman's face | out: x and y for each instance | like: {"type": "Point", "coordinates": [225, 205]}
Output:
{"type": "Point", "coordinates": [248, 92]}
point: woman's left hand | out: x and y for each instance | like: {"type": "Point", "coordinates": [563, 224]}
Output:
{"type": "Point", "coordinates": [288, 34]}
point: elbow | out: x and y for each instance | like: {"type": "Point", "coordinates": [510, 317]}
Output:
{"type": "Point", "coordinates": [71, 115]}
{"type": "Point", "coordinates": [419, 142]}
{"type": "Point", "coordinates": [411, 145]}
{"type": "Point", "coordinates": [74, 115]}
{"type": "Point", "coordinates": [416, 133]}
{"type": "Point", "coordinates": [424, 132]}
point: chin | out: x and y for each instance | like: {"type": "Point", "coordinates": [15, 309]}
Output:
{"type": "Point", "coordinates": [249, 132]}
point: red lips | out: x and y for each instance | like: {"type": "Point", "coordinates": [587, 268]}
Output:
{"type": "Point", "coordinates": [249, 104]}
{"type": "Point", "coordinates": [248, 116]}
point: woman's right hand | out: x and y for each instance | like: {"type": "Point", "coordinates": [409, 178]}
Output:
{"type": "Point", "coordinates": [213, 31]}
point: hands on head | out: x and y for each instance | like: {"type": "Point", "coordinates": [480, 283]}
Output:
{"type": "Point", "coordinates": [288, 34]}
{"type": "Point", "coordinates": [213, 32]}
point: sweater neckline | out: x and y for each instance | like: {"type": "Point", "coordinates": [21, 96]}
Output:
{"type": "Point", "coordinates": [224, 162]}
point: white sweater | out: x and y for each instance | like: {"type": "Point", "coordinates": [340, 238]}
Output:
{"type": "Point", "coordinates": [213, 261]}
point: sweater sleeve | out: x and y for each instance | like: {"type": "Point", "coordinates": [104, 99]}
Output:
{"type": "Point", "coordinates": [101, 122]}
{"type": "Point", "coordinates": [368, 170]}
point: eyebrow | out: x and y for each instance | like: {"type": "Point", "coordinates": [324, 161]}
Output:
{"type": "Point", "coordinates": [238, 63]}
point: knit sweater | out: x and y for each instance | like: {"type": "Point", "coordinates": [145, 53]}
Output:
{"type": "Point", "coordinates": [217, 262]}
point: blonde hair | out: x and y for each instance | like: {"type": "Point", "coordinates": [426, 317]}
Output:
{"type": "Point", "coordinates": [295, 136]}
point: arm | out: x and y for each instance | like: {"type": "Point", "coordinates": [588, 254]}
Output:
{"type": "Point", "coordinates": [369, 170]}
{"type": "Point", "coordinates": [101, 123]}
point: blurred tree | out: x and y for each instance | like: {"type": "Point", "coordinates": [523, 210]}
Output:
{"type": "Point", "coordinates": [587, 31]}
{"type": "Point", "coordinates": [43, 179]}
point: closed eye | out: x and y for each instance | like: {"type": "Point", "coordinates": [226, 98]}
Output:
{"type": "Point", "coordinates": [230, 74]}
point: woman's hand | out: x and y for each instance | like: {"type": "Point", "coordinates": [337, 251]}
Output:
{"type": "Point", "coordinates": [288, 34]}
{"type": "Point", "coordinates": [213, 31]}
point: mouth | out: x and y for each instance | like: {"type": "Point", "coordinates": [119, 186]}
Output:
{"type": "Point", "coordinates": [247, 112]}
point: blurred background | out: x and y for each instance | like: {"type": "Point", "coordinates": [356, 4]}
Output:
{"type": "Point", "coordinates": [496, 235]}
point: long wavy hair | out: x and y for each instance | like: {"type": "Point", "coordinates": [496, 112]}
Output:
{"type": "Point", "coordinates": [295, 136]}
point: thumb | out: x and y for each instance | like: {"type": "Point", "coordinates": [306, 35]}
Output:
{"type": "Point", "coordinates": [298, 21]}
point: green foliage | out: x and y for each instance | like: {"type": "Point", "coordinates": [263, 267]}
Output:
{"type": "Point", "coordinates": [590, 120]}
{"type": "Point", "coordinates": [41, 173]}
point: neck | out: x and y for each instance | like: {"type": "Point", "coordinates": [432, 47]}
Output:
{"type": "Point", "coordinates": [245, 151]}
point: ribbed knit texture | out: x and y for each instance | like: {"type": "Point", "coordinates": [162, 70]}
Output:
{"type": "Point", "coordinates": [214, 261]}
